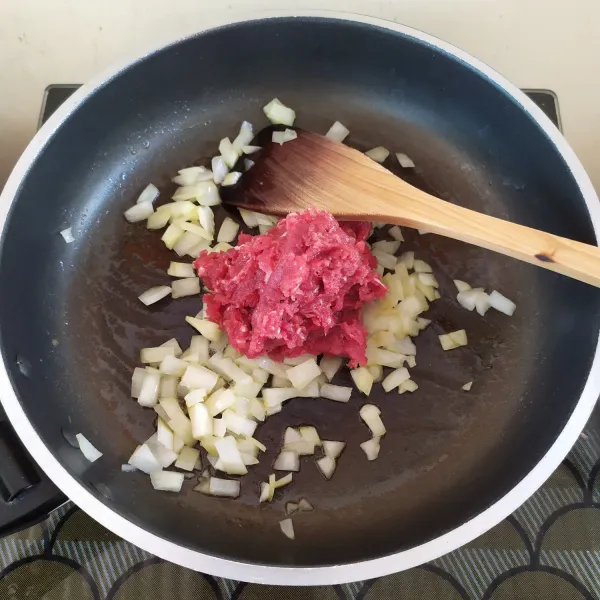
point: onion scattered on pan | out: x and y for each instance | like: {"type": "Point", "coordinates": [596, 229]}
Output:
{"type": "Point", "coordinates": [288, 528]}
{"type": "Point", "coordinates": [139, 212]}
{"type": "Point", "coordinates": [87, 448]}
{"type": "Point", "coordinates": [371, 448]}
{"type": "Point", "coordinates": [378, 154]}
{"type": "Point", "coordinates": [456, 339]}
{"type": "Point", "coordinates": [167, 481]}
{"type": "Point", "coordinates": [155, 294]}
{"type": "Point", "coordinates": [467, 386]}
{"type": "Point", "coordinates": [337, 132]}
{"type": "Point", "coordinates": [405, 161]}
{"type": "Point", "coordinates": [67, 235]}
{"type": "Point", "coordinates": [279, 114]}
{"type": "Point", "coordinates": [150, 194]}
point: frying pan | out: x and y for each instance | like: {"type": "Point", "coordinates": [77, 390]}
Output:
{"type": "Point", "coordinates": [453, 464]}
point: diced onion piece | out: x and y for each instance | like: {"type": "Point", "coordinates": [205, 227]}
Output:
{"type": "Point", "coordinates": [387, 261]}
{"type": "Point", "coordinates": [167, 481]}
{"type": "Point", "coordinates": [194, 397]}
{"type": "Point", "coordinates": [335, 392]}
{"type": "Point", "coordinates": [482, 303]}
{"type": "Point", "coordinates": [376, 371]}
{"type": "Point", "coordinates": [326, 466]}
{"type": "Point", "coordinates": [407, 259]}
{"type": "Point", "coordinates": [276, 396]}
{"type": "Point", "coordinates": [302, 374]}
{"type": "Point", "coordinates": [449, 341]}
{"type": "Point", "coordinates": [333, 449]}
{"type": "Point", "coordinates": [155, 294]}
{"type": "Point", "coordinates": [378, 154]}
{"type": "Point", "coordinates": [164, 434]}
{"type": "Point", "coordinates": [173, 233]}
{"type": "Point", "coordinates": [337, 132]}
{"type": "Point", "coordinates": [297, 360]}
{"type": "Point", "coordinates": [386, 246]}
{"type": "Point", "coordinates": [144, 460]}
{"type": "Point", "coordinates": [371, 448]}
{"type": "Point", "coordinates": [249, 218]}
{"type": "Point", "coordinates": [139, 212]}
{"type": "Point", "coordinates": [468, 298]}
{"type": "Point", "coordinates": [239, 425]}
{"type": "Point", "coordinates": [291, 508]}
{"type": "Point", "coordinates": [192, 175]}
{"type": "Point", "coordinates": [87, 448]}
{"type": "Point", "coordinates": [149, 391]}
{"type": "Point", "coordinates": [230, 457]}
{"type": "Point", "coordinates": [231, 178]}
{"type": "Point", "coordinates": [408, 386]}
{"type": "Point", "coordinates": [156, 355]}
{"type": "Point", "coordinates": [461, 286]}
{"type": "Point", "coordinates": [287, 461]}
{"type": "Point", "coordinates": [283, 481]}
{"type": "Point", "coordinates": [420, 266]}
{"type": "Point", "coordinates": [159, 218]}
{"type": "Point", "coordinates": [137, 380]}
{"type": "Point", "coordinates": [219, 169]}
{"type": "Point", "coordinates": [265, 492]}
{"type": "Point", "coordinates": [251, 149]}
{"type": "Point", "coordinates": [287, 527]}
{"type": "Point", "coordinates": [150, 194]}
{"type": "Point", "coordinates": [428, 279]}
{"type": "Point", "coordinates": [394, 379]}
{"type": "Point", "coordinates": [224, 488]}
{"type": "Point", "coordinates": [244, 137]}
{"type": "Point", "coordinates": [405, 161]}
{"type": "Point", "coordinates": [289, 135]}
{"type": "Point", "coordinates": [248, 164]}
{"type": "Point", "coordinates": [291, 435]}
{"type": "Point", "coordinates": [206, 218]}
{"type": "Point", "coordinates": [467, 386]}
{"type": "Point", "coordinates": [197, 376]}
{"type": "Point", "coordinates": [202, 423]}
{"type": "Point", "coordinates": [228, 231]}
{"type": "Point", "coordinates": [178, 269]}
{"type": "Point", "coordinates": [228, 152]}
{"type": "Point", "coordinates": [219, 428]}
{"type": "Point", "coordinates": [279, 114]}
{"type": "Point", "coordinates": [210, 195]}
{"type": "Point", "coordinates": [330, 365]}
{"type": "Point", "coordinates": [369, 413]}
{"type": "Point", "coordinates": [269, 365]}
{"type": "Point", "coordinates": [230, 369]}
{"type": "Point", "coordinates": [207, 328]}
{"type": "Point", "coordinates": [309, 434]}
{"type": "Point", "coordinates": [301, 448]}
{"type": "Point", "coordinates": [362, 379]}
{"type": "Point", "coordinates": [190, 286]}
{"type": "Point", "coordinates": [67, 235]}
{"type": "Point", "coordinates": [502, 303]}
{"type": "Point", "coordinates": [305, 506]}
{"type": "Point", "coordinates": [396, 233]}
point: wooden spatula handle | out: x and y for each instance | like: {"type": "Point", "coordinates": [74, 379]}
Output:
{"type": "Point", "coordinates": [418, 209]}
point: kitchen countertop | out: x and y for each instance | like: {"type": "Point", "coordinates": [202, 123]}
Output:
{"type": "Point", "coordinates": [535, 44]}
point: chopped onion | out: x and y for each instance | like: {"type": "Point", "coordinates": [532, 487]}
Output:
{"type": "Point", "coordinates": [251, 149]}
{"type": "Point", "coordinates": [197, 376]}
{"type": "Point", "coordinates": [192, 175]}
{"type": "Point", "coordinates": [229, 153]}
{"type": "Point", "coordinates": [305, 506]}
{"type": "Point", "coordinates": [178, 269]}
{"type": "Point", "coordinates": [461, 286]}
{"type": "Point", "coordinates": [283, 481]}
{"type": "Point", "coordinates": [210, 195]}
{"type": "Point", "coordinates": [164, 434]}
{"type": "Point", "coordinates": [302, 374]}
{"type": "Point", "coordinates": [395, 379]}
{"type": "Point", "coordinates": [405, 161]}
{"type": "Point", "coordinates": [330, 365]}
{"type": "Point", "coordinates": [155, 294]}
{"type": "Point", "coordinates": [248, 164]}
{"type": "Point", "coordinates": [333, 449]}
{"type": "Point", "coordinates": [467, 386]}
{"type": "Point", "coordinates": [144, 460]}
{"type": "Point", "coordinates": [189, 286]}
{"type": "Point", "coordinates": [249, 218]}
{"type": "Point", "coordinates": [287, 527]}
{"type": "Point", "coordinates": [239, 425]}
{"type": "Point", "coordinates": [277, 396]}
{"type": "Point", "coordinates": [164, 456]}
{"type": "Point", "coordinates": [137, 380]}
{"type": "Point", "coordinates": [371, 448]}
{"type": "Point", "coordinates": [202, 422]}
{"type": "Point", "coordinates": [468, 298]}
{"type": "Point", "coordinates": [225, 488]}
{"type": "Point", "coordinates": [309, 434]}
{"type": "Point", "coordinates": [408, 386]}
{"type": "Point", "coordinates": [386, 246]}
{"type": "Point", "coordinates": [420, 266]}
{"type": "Point", "coordinates": [502, 303]}
{"type": "Point", "coordinates": [167, 481]}
{"type": "Point", "coordinates": [231, 178]}
{"type": "Point", "coordinates": [206, 217]}
{"type": "Point", "coordinates": [335, 392]}
{"type": "Point", "coordinates": [219, 169]}
{"type": "Point", "coordinates": [291, 435]}
{"type": "Point", "coordinates": [194, 397]}
{"type": "Point", "coordinates": [228, 231]}
{"type": "Point", "coordinates": [207, 328]}
{"type": "Point", "coordinates": [287, 461]}
{"type": "Point", "coordinates": [156, 355]}
{"type": "Point", "coordinates": [87, 449]}
{"type": "Point", "coordinates": [67, 235]}
{"type": "Point", "coordinates": [139, 212]}
{"type": "Point", "coordinates": [337, 132]}
{"type": "Point", "coordinates": [149, 391]}
{"type": "Point", "coordinates": [482, 303]}
{"type": "Point", "coordinates": [150, 194]}
{"type": "Point", "coordinates": [291, 508]}
{"type": "Point", "coordinates": [301, 448]}
{"type": "Point", "coordinates": [449, 341]}
{"type": "Point", "coordinates": [219, 428]}
{"type": "Point", "coordinates": [378, 154]}
{"type": "Point", "coordinates": [230, 457]}
{"type": "Point", "coordinates": [326, 466]}
{"type": "Point", "coordinates": [376, 371]}
{"type": "Point", "coordinates": [265, 493]}
{"type": "Point", "coordinates": [369, 413]}
{"type": "Point", "coordinates": [387, 261]}
{"type": "Point", "coordinates": [279, 114]}
{"type": "Point", "coordinates": [244, 137]}
{"type": "Point", "coordinates": [362, 379]}
{"type": "Point", "coordinates": [396, 233]}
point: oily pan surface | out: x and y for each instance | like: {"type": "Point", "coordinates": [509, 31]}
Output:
{"type": "Point", "coordinates": [448, 454]}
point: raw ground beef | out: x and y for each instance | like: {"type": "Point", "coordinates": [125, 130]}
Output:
{"type": "Point", "coordinates": [299, 288]}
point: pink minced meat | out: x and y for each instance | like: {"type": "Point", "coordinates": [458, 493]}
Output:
{"type": "Point", "coordinates": [299, 288]}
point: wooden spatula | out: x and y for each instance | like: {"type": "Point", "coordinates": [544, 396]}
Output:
{"type": "Point", "coordinates": [314, 171]}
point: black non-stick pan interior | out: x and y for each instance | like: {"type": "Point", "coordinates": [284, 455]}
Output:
{"type": "Point", "coordinates": [71, 325]}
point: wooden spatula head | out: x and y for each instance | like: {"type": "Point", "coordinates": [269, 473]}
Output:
{"type": "Point", "coordinates": [309, 171]}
